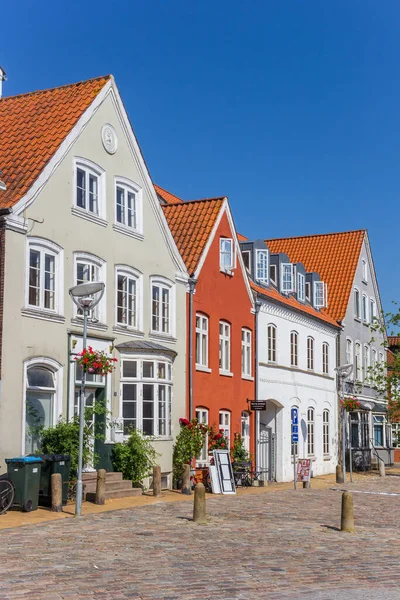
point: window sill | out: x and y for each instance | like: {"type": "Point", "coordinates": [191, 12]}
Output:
{"type": "Point", "coordinates": [327, 457]}
{"type": "Point", "coordinates": [227, 272]}
{"type": "Point", "coordinates": [84, 214]}
{"type": "Point", "coordinates": [42, 314]}
{"type": "Point", "coordinates": [98, 326]}
{"type": "Point", "coordinates": [120, 329]}
{"type": "Point", "coordinates": [366, 323]}
{"type": "Point", "coordinates": [225, 373]}
{"type": "Point", "coordinates": [248, 377]}
{"type": "Point", "coordinates": [162, 337]}
{"type": "Point", "coordinates": [357, 319]}
{"type": "Point", "coordinates": [364, 281]}
{"type": "Point", "coordinates": [128, 231]}
{"type": "Point", "coordinates": [203, 368]}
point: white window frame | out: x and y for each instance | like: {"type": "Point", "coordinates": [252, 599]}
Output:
{"type": "Point", "coordinates": [44, 246]}
{"type": "Point", "coordinates": [320, 295]}
{"type": "Point", "coordinates": [100, 312]}
{"type": "Point", "coordinates": [310, 431]}
{"type": "Point", "coordinates": [137, 276]}
{"type": "Point", "coordinates": [129, 186]}
{"type": "Point", "coordinates": [364, 270]}
{"type": "Point", "coordinates": [262, 270]}
{"type": "Point", "coordinates": [139, 381]}
{"type": "Point", "coordinates": [90, 168]}
{"type": "Point", "coordinates": [366, 362]}
{"type": "Point", "coordinates": [372, 310]}
{"type": "Point", "coordinates": [301, 287]}
{"type": "Point", "coordinates": [325, 431]}
{"type": "Point", "coordinates": [349, 351]}
{"type": "Point", "coordinates": [202, 417]}
{"type": "Point", "coordinates": [357, 304]}
{"type": "Point", "coordinates": [223, 252]}
{"type": "Point", "coordinates": [364, 308]}
{"type": "Point", "coordinates": [310, 353]}
{"type": "Point", "coordinates": [245, 427]}
{"type": "Point", "coordinates": [225, 426]}
{"type": "Point", "coordinates": [294, 349]}
{"type": "Point", "coordinates": [325, 358]}
{"type": "Point", "coordinates": [163, 284]}
{"type": "Point", "coordinates": [246, 353]}
{"type": "Point", "coordinates": [273, 277]}
{"type": "Point", "coordinates": [358, 359]}
{"type": "Point", "coordinates": [202, 335]}
{"type": "Point", "coordinates": [374, 357]}
{"type": "Point", "coordinates": [287, 278]}
{"type": "Point", "coordinates": [308, 291]}
{"type": "Point", "coordinates": [271, 343]}
{"type": "Point", "coordinates": [225, 348]}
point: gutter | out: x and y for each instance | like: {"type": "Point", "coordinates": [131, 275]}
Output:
{"type": "Point", "coordinates": [192, 287]}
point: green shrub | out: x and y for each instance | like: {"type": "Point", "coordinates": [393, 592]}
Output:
{"type": "Point", "coordinates": [63, 438]}
{"type": "Point", "coordinates": [188, 444]}
{"type": "Point", "coordinates": [239, 452]}
{"type": "Point", "coordinates": [134, 458]}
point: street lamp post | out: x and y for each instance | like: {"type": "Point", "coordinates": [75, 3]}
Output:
{"type": "Point", "coordinates": [343, 372]}
{"type": "Point", "coordinates": [86, 296]}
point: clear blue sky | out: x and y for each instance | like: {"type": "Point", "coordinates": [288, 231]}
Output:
{"type": "Point", "coordinates": [290, 108]}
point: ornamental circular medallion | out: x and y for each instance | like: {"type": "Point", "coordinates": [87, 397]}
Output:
{"type": "Point", "coordinates": [109, 138]}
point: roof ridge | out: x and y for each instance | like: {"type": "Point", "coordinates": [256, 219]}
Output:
{"type": "Point", "coordinates": [58, 87]}
{"type": "Point", "coordinates": [186, 202]}
{"type": "Point", "coordinates": [297, 237]}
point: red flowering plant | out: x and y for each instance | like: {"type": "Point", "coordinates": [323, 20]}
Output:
{"type": "Point", "coordinates": [217, 441]}
{"type": "Point", "coordinates": [350, 404]}
{"type": "Point", "coordinates": [95, 361]}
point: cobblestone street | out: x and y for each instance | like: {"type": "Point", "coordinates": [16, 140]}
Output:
{"type": "Point", "coordinates": [269, 545]}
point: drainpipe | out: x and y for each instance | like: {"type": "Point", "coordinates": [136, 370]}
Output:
{"type": "Point", "coordinates": [192, 286]}
{"type": "Point", "coordinates": [257, 415]}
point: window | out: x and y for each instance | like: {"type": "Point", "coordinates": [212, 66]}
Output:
{"type": "Point", "coordinates": [308, 291]}
{"type": "Point", "coordinates": [201, 340]}
{"type": "Point", "coordinates": [381, 358]}
{"type": "Point", "coordinates": [320, 294]}
{"type": "Point", "coordinates": [146, 390]}
{"type": "Point", "coordinates": [273, 274]}
{"type": "Point", "coordinates": [40, 409]}
{"type": "Point", "coordinates": [226, 254]}
{"type": "Point", "coordinates": [379, 421]}
{"type": "Point", "coordinates": [127, 205]}
{"type": "Point", "coordinates": [364, 308]}
{"type": "Point", "coordinates": [287, 278]}
{"type": "Point", "coordinates": [325, 423]}
{"type": "Point", "coordinates": [245, 421]}
{"type": "Point", "coordinates": [349, 352]}
{"type": "Point", "coordinates": [246, 255]}
{"type": "Point", "coordinates": [128, 284]}
{"type": "Point", "coordinates": [301, 290]}
{"type": "Point", "coordinates": [294, 357]}
{"type": "Point", "coordinates": [310, 353]}
{"type": "Point", "coordinates": [246, 352]}
{"type": "Point", "coordinates": [89, 268]}
{"type": "Point", "coordinates": [271, 343]}
{"type": "Point", "coordinates": [358, 362]}
{"type": "Point", "coordinates": [262, 266]}
{"type": "Point", "coordinates": [44, 276]}
{"type": "Point", "coordinates": [225, 425]}
{"type": "Point", "coordinates": [310, 432]}
{"type": "Point", "coordinates": [325, 358]}
{"type": "Point", "coordinates": [202, 417]}
{"type": "Point", "coordinates": [161, 307]}
{"type": "Point", "coordinates": [89, 194]}
{"type": "Point", "coordinates": [224, 346]}
{"type": "Point", "coordinates": [357, 308]}
{"type": "Point", "coordinates": [373, 358]}
{"type": "Point", "coordinates": [366, 363]}
{"type": "Point", "coordinates": [372, 310]}
{"type": "Point", "coordinates": [364, 271]}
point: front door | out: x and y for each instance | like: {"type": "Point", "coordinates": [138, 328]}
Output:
{"type": "Point", "coordinates": [95, 400]}
{"type": "Point", "coordinates": [266, 453]}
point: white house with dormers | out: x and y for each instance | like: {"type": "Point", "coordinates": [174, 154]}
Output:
{"type": "Point", "coordinates": [295, 358]}
{"type": "Point", "coordinates": [80, 206]}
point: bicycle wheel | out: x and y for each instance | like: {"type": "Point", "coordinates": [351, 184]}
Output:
{"type": "Point", "coordinates": [6, 495]}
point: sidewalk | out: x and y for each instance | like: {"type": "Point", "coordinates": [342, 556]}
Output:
{"type": "Point", "coordinates": [16, 518]}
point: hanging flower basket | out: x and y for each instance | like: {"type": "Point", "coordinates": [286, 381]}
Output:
{"type": "Point", "coordinates": [95, 361]}
{"type": "Point", "coordinates": [350, 404]}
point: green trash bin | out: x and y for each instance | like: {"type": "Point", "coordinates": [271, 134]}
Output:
{"type": "Point", "coordinates": [53, 463]}
{"type": "Point", "coordinates": [24, 472]}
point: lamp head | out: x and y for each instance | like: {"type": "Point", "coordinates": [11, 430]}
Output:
{"type": "Point", "coordinates": [87, 295]}
{"type": "Point", "coordinates": [344, 370]}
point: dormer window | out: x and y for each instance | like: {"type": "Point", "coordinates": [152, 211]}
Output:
{"type": "Point", "coordinates": [320, 295]}
{"type": "Point", "coordinates": [262, 266]}
{"type": "Point", "coordinates": [308, 291]}
{"type": "Point", "coordinates": [273, 274]}
{"type": "Point", "coordinates": [301, 292]}
{"type": "Point", "coordinates": [246, 255]}
{"type": "Point", "coordinates": [226, 254]}
{"type": "Point", "coordinates": [287, 278]}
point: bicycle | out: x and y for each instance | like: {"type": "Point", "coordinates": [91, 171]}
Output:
{"type": "Point", "coordinates": [6, 495]}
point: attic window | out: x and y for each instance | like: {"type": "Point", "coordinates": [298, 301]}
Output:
{"type": "Point", "coordinates": [273, 274]}
{"type": "Point", "coordinates": [287, 278]}
{"type": "Point", "coordinates": [246, 255]}
{"type": "Point", "coordinates": [308, 291]}
{"type": "Point", "coordinates": [226, 254]}
{"type": "Point", "coordinates": [320, 295]}
{"type": "Point", "coordinates": [262, 266]}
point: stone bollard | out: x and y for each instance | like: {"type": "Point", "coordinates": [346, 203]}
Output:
{"type": "Point", "coordinates": [186, 480]}
{"type": "Point", "coordinates": [347, 520]}
{"type": "Point", "coordinates": [101, 487]}
{"type": "Point", "coordinates": [382, 471]}
{"type": "Point", "coordinates": [157, 481]}
{"type": "Point", "coordinates": [339, 474]}
{"type": "Point", "coordinates": [199, 505]}
{"type": "Point", "coordinates": [56, 492]}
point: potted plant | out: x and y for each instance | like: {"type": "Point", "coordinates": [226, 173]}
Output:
{"type": "Point", "coordinates": [95, 361]}
{"type": "Point", "coordinates": [350, 404]}
{"type": "Point", "coordinates": [188, 445]}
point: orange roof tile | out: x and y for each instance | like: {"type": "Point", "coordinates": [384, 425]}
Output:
{"type": "Point", "coordinates": [167, 196]}
{"type": "Point", "coordinates": [32, 127]}
{"type": "Point", "coordinates": [191, 224]}
{"type": "Point", "coordinates": [242, 238]}
{"type": "Point", "coordinates": [333, 255]}
{"type": "Point", "coordinates": [291, 302]}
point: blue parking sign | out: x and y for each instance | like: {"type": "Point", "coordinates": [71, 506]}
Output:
{"type": "Point", "coordinates": [295, 416]}
{"type": "Point", "coordinates": [295, 438]}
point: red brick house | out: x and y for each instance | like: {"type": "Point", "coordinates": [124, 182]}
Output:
{"type": "Point", "coordinates": [220, 315]}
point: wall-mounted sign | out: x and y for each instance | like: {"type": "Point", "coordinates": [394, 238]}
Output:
{"type": "Point", "coordinates": [258, 405]}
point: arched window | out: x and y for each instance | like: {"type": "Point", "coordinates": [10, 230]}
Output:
{"type": "Point", "coordinates": [349, 351]}
{"type": "Point", "coordinates": [310, 353]}
{"type": "Point", "coordinates": [310, 431]}
{"type": "Point", "coordinates": [357, 306]}
{"type": "Point", "coordinates": [325, 358]}
{"type": "Point", "coordinates": [325, 419]}
{"type": "Point", "coordinates": [246, 430]}
{"type": "Point", "coordinates": [271, 343]}
{"type": "Point", "coordinates": [201, 340]}
{"type": "Point", "coordinates": [294, 357]}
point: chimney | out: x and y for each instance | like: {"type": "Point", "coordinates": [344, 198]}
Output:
{"type": "Point", "coordinates": [2, 78]}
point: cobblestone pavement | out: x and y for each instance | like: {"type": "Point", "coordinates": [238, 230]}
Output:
{"type": "Point", "coordinates": [281, 545]}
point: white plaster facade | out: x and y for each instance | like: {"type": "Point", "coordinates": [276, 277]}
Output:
{"type": "Point", "coordinates": [285, 386]}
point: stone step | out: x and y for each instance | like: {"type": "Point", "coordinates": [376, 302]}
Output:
{"type": "Point", "coordinates": [110, 476]}
{"type": "Point", "coordinates": [110, 485]}
{"type": "Point", "coordinates": [91, 496]}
